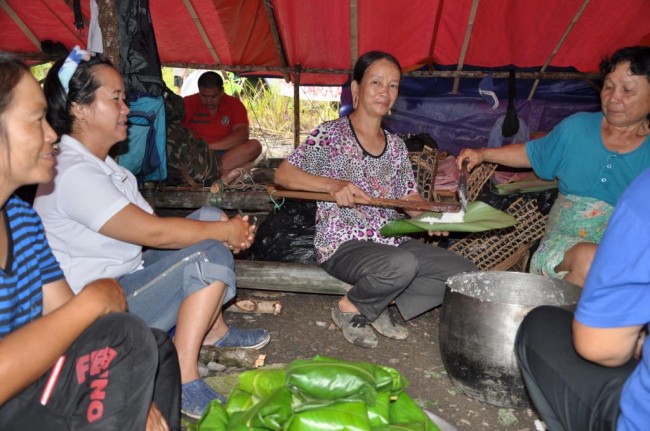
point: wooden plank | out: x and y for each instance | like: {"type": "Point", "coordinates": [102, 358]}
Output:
{"type": "Point", "coordinates": [287, 277]}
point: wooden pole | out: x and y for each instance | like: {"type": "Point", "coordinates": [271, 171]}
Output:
{"type": "Point", "coordinates": [463, 51]}
{"type": "Point", "coordinates": [296, 107]}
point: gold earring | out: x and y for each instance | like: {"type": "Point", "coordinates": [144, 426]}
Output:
{"type": "Point", "coordinates": [390, 112]}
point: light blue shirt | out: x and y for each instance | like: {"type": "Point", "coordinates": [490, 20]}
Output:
{"type": "Point", "coordinates": [574, 154]}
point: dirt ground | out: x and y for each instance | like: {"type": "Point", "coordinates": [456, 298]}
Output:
{"type": "Point", "coordinates": [304, 329]}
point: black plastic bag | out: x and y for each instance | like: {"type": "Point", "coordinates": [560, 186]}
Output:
{"type": "Point", "coordinates": [287, 235]}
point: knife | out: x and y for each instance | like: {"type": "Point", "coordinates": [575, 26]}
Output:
{"type": "Point", "coordinates": [462, 185]}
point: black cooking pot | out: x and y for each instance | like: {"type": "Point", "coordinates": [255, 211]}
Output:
{"type": "Point", "coordinates": [480, 317]}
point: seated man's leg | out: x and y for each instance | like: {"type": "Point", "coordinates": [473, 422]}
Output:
{"type": "Point", "coordinates": [569, 392]}
{"type": "Point", "coordinates": [106, 382]}
{"type": "Point", "coordinates": [241, 156]}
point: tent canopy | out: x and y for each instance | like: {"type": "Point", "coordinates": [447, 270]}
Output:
{"type": "Point", "coordinates": [324, 38]}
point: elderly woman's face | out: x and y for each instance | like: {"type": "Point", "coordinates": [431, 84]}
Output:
{"type": "Point", "coordinates": [28, 156]}
{"type": "Point", "coordinates": [625, 98]}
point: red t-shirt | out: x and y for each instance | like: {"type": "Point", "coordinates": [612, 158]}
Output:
{"type": "Point", "coordinates": [209, 127]}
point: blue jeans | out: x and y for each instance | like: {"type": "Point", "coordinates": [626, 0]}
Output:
{"type": "Point", "coordinates": [156, 292]}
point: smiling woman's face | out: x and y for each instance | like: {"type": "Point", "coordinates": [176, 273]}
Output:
{"type": "Point", "coordinates": [26, 141]}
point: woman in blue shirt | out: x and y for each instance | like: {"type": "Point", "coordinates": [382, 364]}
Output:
{"type": "Point", "coordinates": [594, 157]}
{"type": "Point", "coordinates": [66, 362]}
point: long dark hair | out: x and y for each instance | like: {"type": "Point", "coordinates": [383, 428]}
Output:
{"type": "Point", "coordinates": [11, 72]}
{"type": "Point", "coordinates": [82, 88]}
{"type": "Point", "coordinates": [367, 59]}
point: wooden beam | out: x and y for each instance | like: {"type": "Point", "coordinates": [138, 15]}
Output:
{"type": "Point", "coordinates": [463, 51]}
{"type": "Point", "coordinates": [201, 30]}
{"type": "Point", "coordinates": [276, 36]}
{"type": "Point", "coordinates": [434, 36]}
{"type": "Point", "coordinates": [287, 277]}
{"type": "Point", "coordinates": [20, 23]}
{"type": "Point", "coordinates": [242, 68]}
{"type": "Point", "coordinates": [354, 32]}
{"type": "Point", "coordinates": [559, 44]}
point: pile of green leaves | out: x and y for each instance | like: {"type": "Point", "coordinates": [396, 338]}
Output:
{"type": "Point", "coordinates": [318, 394]}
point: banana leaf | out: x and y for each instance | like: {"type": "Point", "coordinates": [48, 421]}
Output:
{"type": "Point", "coordinates": [270, 413]}
{"type": "Point", "coordinates": [262, 382]}
{"type": "Point", "coordinates": [349, 416]}
{"type": "Point", "coordinates": [412, 426]}
{"type": "Point", "coordinates": [379, 413]}
{"type": "Point", "coordinates": [214, 418]}
{"type": "Point", "coordinates": [405, 410]}
{"type": "Point", "coordinates": [333, 379]}
{"type": "Point", "coordinates": [479, 217]}
{"type": "Point", "coordinates": [239, 401]}
{"type": "Point", "coordinates": [398, 381]}
{"type": "Point", "coordinates": [525, 186]}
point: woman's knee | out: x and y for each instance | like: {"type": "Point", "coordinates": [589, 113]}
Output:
{"type": "Point", "coordinates": [578, 259]}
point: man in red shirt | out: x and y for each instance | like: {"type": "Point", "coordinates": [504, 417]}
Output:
{"type": "Point", "coordinates": [222, 122]}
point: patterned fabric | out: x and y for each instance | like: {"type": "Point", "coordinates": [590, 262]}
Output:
{"type": "Point", "coordinates": [189, 160]}
{"type": "Point", "coordinates": [332, 150]}
{"type": "Point", "coordinates": [572, 220]}
{"type": "Point", "coordinates": [30, 265]}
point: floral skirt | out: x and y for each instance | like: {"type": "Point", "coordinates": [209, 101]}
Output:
{"type": "Point", "coordinates": [572, 220]}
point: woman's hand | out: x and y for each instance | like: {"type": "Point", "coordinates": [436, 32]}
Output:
{"type": "Point", "coordinates": [474, 158]}
{"type": "Point", "coordinates": [241, 233]}
{"type": "Point", "coordinates": [106, 294]}
{"type": "Point", "coordinates": [155, 420]}
{"type": "Point", "coordinates": [345, 192]}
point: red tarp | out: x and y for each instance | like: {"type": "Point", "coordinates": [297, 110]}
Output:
{"type": "Point", "coordinates": [317, 34]}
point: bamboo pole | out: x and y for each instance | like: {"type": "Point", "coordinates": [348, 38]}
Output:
{"type": "Point", "coordinates": [201, 30]}
{"type": "Point", "coordinates": [559, 44]}
{"type": "Point", "coordinates": [20, 23]}
{"type": "Point", "coordinates": [463, 51]}
{"type": "Point", "coordinates": [273, 24]}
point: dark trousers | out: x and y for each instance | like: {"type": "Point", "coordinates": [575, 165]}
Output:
{"type": "Point", "coordinates": [110, 376]}
{"type": "Point", "coordinates": [569, 392]}
{"type": "Point", "coordinates": [412, 274]}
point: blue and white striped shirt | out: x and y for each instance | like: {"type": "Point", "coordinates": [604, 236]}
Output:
{"type": "Point", "coordinates": [30, 265]}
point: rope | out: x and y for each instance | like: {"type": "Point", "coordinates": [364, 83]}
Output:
{"type": "Point", "coordinates": [276, 205]}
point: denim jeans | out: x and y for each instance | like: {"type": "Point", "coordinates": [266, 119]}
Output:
{"type": "Point", "coordinates": [155, 292]}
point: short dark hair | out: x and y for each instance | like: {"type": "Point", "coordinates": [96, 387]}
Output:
{"type": "Point", "coordinates": [369, 58]}
{"type": "Point", "coordinates": [82, 88]}
{"type": "Point", "coordinates": [11, 72]}
{"type": "Point", "coordinates": [210, 80]}
{"type": "Point", "coordinates": [638, 56]}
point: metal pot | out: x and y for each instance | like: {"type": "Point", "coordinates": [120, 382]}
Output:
{"type": "Point", "coordinates": [480, 317]}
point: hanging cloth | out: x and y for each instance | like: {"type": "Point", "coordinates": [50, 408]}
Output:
{"type": "Point", "coordinates": [511, 122]}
